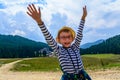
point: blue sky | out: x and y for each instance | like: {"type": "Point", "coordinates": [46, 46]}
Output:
{"type": "Point", "coordinates": [102, 22]}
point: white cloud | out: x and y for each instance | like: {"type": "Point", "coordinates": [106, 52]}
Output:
{"type": "Point", "coordinates": [18, 32]}
{"type": "Point", "coordinates": [73, 10]}
{"type": "Point", "coordinates": [16, 6]}
{"type": "Point", "coordinates": [102, 14]}
{"type": "Point", "coordinates": [98, 12]}
{"type": "Point", "coordinates": [70, 8]}
{"type": "Point", "coordinates": [93, 35]}
{"type": "Point", "coordinates": [13, 2]}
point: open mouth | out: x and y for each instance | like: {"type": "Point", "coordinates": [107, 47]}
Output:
{"type": "Point", "coordinates": [66, 43]}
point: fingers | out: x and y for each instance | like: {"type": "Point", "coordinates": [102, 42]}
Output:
{"type": "Point", "coordinates": [84, 13]}
{"type": "Point", "coordinates": [39, 11]}
{"type": "Point", "coordinates": [84, 8]}
{"type": "Point", "coordinates": [29, 14]}
{"type": "Point", "coordinates": [30, 8]}
{"type": "Point", "coordinates": [34, 13]}
{"type": "Point", "coordinates": [33, 6]}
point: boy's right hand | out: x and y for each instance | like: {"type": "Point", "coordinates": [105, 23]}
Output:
{"type": "Point", "coordinates": [34, 13]}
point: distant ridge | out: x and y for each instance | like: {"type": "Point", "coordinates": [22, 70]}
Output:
{"type": "Point", "coordinates": [87, 45]}
{"type": "Point", "coordinates": [110, 45]}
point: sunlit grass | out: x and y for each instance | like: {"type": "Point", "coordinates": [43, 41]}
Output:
{"type": "Point", "coordinates": [38, 64]}
{"type": "Point", "coordinates": [101, 61]}
{"type": "Point", "coordinates": [102, 55]}
{"type": "Point", "coordinates": [91, 62]}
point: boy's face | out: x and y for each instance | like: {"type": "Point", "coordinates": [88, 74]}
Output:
{"type": "Point", "coordinates": [65, 38]}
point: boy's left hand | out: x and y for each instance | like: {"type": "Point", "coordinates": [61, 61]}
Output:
{"type": "Point", "coordinates": [84, 13]}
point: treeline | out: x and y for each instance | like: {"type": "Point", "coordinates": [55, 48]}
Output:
{"type": "Point", "coordinates": [19, 47]}
{"type": "Point", "coordinates": [111, 45]}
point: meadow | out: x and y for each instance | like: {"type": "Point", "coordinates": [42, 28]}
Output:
{"type": "Point", "coordinates": [91, 62]}
{"type": "Point", "coordinates": [38, 64]}
{"type": "Point", "coordinates": [101, 61]}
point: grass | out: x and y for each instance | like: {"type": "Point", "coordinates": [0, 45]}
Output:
{"type": "Point", "coordinates": [5, 61]}
{"type": "Point", "coordinates": [101, 61]}
{"type": "Point", "coordinates": [38, 64]}
{"type": "Point", "coordinates": [91, 62]}
{"type": "Point", "coordinates": [102, 56]}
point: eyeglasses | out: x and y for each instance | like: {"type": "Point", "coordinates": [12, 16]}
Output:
{"type": "Point", "coordinates": [65, 37]}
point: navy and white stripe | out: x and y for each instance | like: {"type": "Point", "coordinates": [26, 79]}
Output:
{"type": "Point", "coordinates": [66, 54]}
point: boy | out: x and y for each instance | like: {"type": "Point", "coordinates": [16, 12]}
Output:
{"type": "Point", "coordinates": [68, 54]}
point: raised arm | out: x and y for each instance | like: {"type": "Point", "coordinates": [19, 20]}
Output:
{"type": "Point", "coordinates": [80, 28]}
{"type": "Point", "coordinates": [36, 15]}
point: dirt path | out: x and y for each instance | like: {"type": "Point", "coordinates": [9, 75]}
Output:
{"type": "Point", "coordinates": [5, 67]}
{"type": "Point", "coordinates": [5, 74]}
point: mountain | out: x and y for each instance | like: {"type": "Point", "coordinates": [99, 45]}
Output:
{"type": "Point", "coordinates": [17, 46]}
{"type": "Point", "coordinates": [87, 45]}
{"type": "Point", "coordinates": [110, 45]}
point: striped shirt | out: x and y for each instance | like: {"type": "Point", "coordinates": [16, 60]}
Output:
{"type": "Point", "coordinates": [69, 58]}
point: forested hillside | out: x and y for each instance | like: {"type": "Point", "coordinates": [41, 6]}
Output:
{"type": "Point", "coordinates": [20, 47]}
{"type": "Point", "coordinates": [16, 46]}
{"type": "Point", "coordinates": [111, 45]}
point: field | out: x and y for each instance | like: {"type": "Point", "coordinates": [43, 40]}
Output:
{"type": "Point", "coordinates": [38, 64]}
{"type": "Point", "coordinates": [91, 62]}
{"type": "Point", "coordinates": [101, 61]}
{"type": "Point", "coordinates": [99, 67]}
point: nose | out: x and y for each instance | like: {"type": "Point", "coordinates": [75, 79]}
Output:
{"type": "Point", "coordinates": [67, 38]}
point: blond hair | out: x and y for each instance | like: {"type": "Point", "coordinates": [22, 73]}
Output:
{"type": "Point", "coordinates": [65, 29]}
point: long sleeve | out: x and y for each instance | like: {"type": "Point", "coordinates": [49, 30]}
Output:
{"type": "Point", "coordinates": [49, 38]}
{"type": "Point", "coordinates": [79, 33]}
